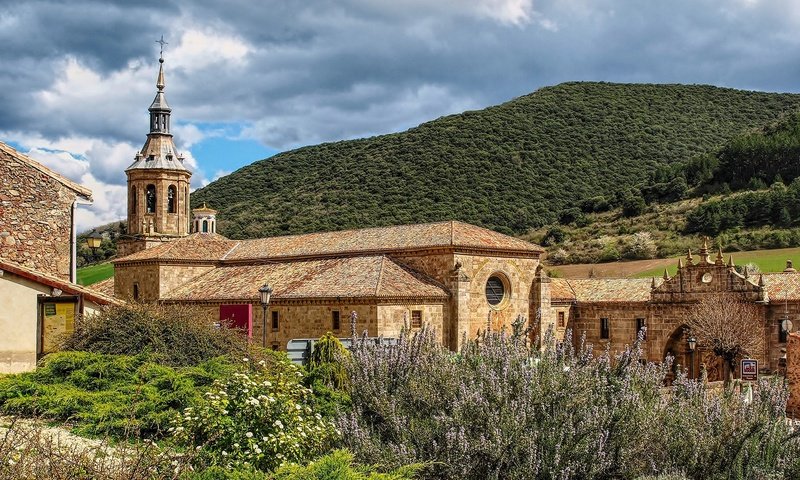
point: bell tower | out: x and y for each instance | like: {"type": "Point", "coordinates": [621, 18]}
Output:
{"type": "Point", "coordinates": [158, 183]}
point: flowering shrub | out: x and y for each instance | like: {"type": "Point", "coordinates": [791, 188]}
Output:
{"type": "Point", "coordinates": [259, 416]}
{"type": "Point", "coordinates": [499, 409]}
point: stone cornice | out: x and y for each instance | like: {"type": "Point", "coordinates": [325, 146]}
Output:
{"type": "Point", "coordinates": [278, 302]}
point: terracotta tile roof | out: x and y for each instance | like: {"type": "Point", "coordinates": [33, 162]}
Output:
{"type": "Point", "coordinates": [55, 282]}
{"type": "Point", "coordinates": [7, 152]}
{"type": "Point", "coordinates": [379, 240]}
{"type": "Point", "coordinates": [351, 277]}
{"type": "Point", "coordinates": [104, 287]}
{"type": "Point", "coordinates": [782, 286]}
{"type": "Point", "coordinates": [364, 241]}
{"type": "Point", "coordinates": [599, 290]}
{"type": "Point", "coordinates": [197, 246]}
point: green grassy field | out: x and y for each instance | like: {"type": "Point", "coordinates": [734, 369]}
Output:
{"type": "Point", "coordinates": [95, 273]}
{"type": "Point", "coordinates": [767, 261]}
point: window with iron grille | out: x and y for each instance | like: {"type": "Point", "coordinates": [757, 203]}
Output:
{"type": "Point", "coordinates": [561, 320]}
{"type": "Point", "coordinates": [274, 321]}
{"type": "Point", "coordinates": [335, 320]}
{"type": "Point", "coordinates": [416, 318]}
{"type": "Point", "coordinates": [605, 329]}
{"type": "Point", "coordinates": [640, 324]}
{"type": "Point", "coordinates": [495, 290]}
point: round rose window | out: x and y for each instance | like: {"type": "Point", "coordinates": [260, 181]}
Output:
{"type": "Point", "coordinates": [495, 290]}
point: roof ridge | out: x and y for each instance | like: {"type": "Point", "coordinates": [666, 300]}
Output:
{"type": "Point", "coordinates": [80, 189]}
{"type": "Point", "coordinates": [380, 275]}
{"type": "Point", "coordinates": [238, 242]}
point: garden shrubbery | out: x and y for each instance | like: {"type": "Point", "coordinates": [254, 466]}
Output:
{"type": "Point", "coordinates": [498, 409]}
{"type": "Point", "coordinates": [113, 395]}
{"type": "Point", "coordinates": [175, 335]}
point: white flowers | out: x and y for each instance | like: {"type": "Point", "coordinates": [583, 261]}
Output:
{"type": "Point", "coordinates": [249, 434]}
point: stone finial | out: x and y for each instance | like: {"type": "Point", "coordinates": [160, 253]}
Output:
{"type": "Point", "coordinates": [666, 275]}
{"type": "Point", "coordinates": [704, 251]}
{"type": "Point", "coordinates": [653, 284]}
{"type": "Point", "coordinates": [761, 281]}
{"type": "Point", "coordinates": [730, 262]}
{"type": "Point", "coordinates": [680, 263]}
{"type": "Point", "coordinates": [789, 267]}
{"type": "Point", "coordinates": [719, 260]}
{"type": "Point", "coordinates": [689, 259]}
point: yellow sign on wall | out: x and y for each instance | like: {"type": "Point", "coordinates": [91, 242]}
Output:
{"type": "Point", "coordinates": [58, 321]}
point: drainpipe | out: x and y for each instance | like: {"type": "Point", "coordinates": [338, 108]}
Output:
{"type": "Point", "coordinates": [73, 239]}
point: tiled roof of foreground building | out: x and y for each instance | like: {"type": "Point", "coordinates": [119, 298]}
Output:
{"type": "Point", "coordinates": [69, 288]}
{"type": "Point", "coordinates": [602, 289]}
{"type": "Point", "coordinates": [363, 241]}
{"type": "Point", "coordinates": [779, 286]}
{"type": "Point", "coordinates": [354, 277]}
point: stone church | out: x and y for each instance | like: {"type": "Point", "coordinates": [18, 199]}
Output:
{"type": "Point", "coordinates": [458, 278]}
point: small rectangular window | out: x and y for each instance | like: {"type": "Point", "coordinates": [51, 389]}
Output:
{"type": "Point", "coordinates": [641, 324]}
{"type": "Point", "coordinates": [416, 318]}
{"type": "Point", "coordinates": [561, 320]}
{"type": "Point", "coordinates": [274, 321]}
{"type": "Point", "coordinates": [335, 320]}
{"type": "Point", "coordinates": [605, 329]}
{"type": "Point", "coordinates": [136, 291]}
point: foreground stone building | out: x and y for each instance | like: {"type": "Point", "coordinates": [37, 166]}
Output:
{"type": "Point", "coordinates": [39, 300]}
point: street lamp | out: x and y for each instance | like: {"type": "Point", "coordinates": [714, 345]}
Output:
{"type": "Point", "coordinates": [692, 346]}
{"type": "Point", "coordinates": [265, 293]}
{"type": "Point", "coordinates": [94, 240]}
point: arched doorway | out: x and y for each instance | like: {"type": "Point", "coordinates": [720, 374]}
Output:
{"type": "Point", "coordinates": [692, 363]}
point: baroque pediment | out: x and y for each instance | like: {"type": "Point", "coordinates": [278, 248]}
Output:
{"type": "Point", "coordinates": [699, 276]}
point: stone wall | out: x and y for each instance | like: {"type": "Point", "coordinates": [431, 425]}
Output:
{"type": "Point", "coordinates": [35, 218]}
{"type": "Point", "coordinates": [145, 276]}
{"type": "Point", "coordinates": [391, 318]}
{"type": "Point", "coordinates": [473, 310]}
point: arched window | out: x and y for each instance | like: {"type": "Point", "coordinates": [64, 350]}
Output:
{"type": "Point", "coordinates": [151, 198]}
{"type": "Point", "coordinates": [134, 202]}
{"type": "Point", "coordinates": [205, 226]}
{"type": "Point", "coordinates": [172, 193]}
{"type": "Point", "coordinates": [136, 291]}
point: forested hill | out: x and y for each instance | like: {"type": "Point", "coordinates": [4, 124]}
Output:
{"type": "Point", "coordinates": [510, 167]}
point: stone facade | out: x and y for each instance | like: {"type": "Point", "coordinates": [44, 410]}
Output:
{"type": "Point", "coordinates": [411, 273]}
{"type": "Point", "coordinates": [36, 214]}
{"type": "Point", "coordinates": [609, 312]}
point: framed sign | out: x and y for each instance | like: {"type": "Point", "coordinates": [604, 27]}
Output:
{"type": "Point", "coordinates": [56, 321]}
{"type": "Point", "coordinates": [750, 369]}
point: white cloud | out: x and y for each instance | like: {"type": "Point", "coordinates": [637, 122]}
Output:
{"type": "Point", "coordinates": [60, 161]}
{"type": "Point", "coordinates": [110, 204]}
{"type": "Point", "coordinates": [198, 49]}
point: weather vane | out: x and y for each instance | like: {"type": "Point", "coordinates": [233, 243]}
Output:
{"type": "Point", "coordinates": [162, 43]}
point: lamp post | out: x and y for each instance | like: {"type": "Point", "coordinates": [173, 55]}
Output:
{"type": "Point", "coordinates": [265, 294]}
{"type": "Point", "coordinates": [692, 342]}
{"type": "Point", "coordinates": [94, 240]}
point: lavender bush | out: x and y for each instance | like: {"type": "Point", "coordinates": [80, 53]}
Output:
{"type": "Point", "coordinates": [500, 409]}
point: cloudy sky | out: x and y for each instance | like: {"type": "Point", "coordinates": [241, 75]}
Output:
{"type": "Point", "coordinates": [248, 79]}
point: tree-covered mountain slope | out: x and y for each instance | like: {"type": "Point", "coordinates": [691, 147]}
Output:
{"type": "Point", "coordinates": [510, 167]}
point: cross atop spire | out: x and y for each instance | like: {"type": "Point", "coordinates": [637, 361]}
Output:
{"type": "Point", "coordinates": [162, 43]}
